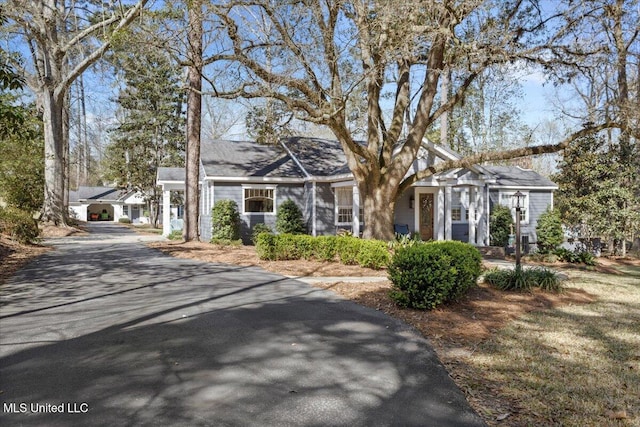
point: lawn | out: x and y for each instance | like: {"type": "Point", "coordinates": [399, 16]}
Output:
{"type": "Point", "coordinates": [574, 365]}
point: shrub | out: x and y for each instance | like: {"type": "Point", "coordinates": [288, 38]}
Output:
{"type": "Point", "coordinates": [19, 225]}
{"type": "Point", "coordinates": [225, 220]}
{"type": "Point", "coordinates": [124, 220]}
{"type": "Point", "coordinates": [422, 276]}
{"type": "Point", "coordinates": [259, 228]}
{"type": "Point", "coordinates": [524, 279]}
{"type": "Point", "coordinates": [467, 261]}
{"type": "Point", "coordinates": [500, 224]}
{"type": "Point", "coordinates": [175, 235]}
{"type": "Point", "coordinates": [289, 218]}
{"type": "Point", "coordinates": [549, 230]}
{"type": "Point", "coordinates": [581, 256]}
{"type": "Point", "coordinates": [373, 254]}
{"type": "Point", "coordinates": [326, 248]}
{"type": "Point", "coordinates": [266, 246]}
{"type": "Point", "coordinates": [510, 280]}
{"type": "Point", "coordinates": [347, 249]}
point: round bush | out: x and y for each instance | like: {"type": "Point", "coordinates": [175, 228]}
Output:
{"type": "Point", "coordinates": [428, 274]}
{"type": "Point", "coordinates": [422, 276]}
{"type": "Point", "coordinates": [225, 221]}
{"type": "Point", "coordinates": [257, 229]}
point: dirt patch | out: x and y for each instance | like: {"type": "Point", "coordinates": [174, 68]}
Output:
{"type": "Point", "coordinates": [14, 256]}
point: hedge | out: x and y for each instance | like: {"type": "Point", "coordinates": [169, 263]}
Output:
{"type": "Point", "coordinates": [349, 250]}
{"type": "Point", "coordinates": [429, 274]}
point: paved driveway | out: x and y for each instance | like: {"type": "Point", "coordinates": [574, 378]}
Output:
{"type": "Point", "coordinates": [113, 333]}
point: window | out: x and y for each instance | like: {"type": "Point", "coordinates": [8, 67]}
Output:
{"type": "Point", "coordinates": [506, 199]}
{"type": "Point", "coordinates": [344, 206]}
{"type": "Point", "coordinates": [459, 205]}
{"type": "Point", "coordinates": [258, 200]}
{"type": "Point", "coordinates": [125, 210]}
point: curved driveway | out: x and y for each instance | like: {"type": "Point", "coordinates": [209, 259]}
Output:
{"type": "Point", "coordinates": [113, 333]}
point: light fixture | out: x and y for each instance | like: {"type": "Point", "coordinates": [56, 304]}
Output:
{"type": "Point", "coordinates": [412, 202]}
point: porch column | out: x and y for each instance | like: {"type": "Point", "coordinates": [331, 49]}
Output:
{"type": "Point", "coordinates": [472, 215]}
{"type": "Point", "coordinates": [355, 222]}
{"type": "Point", "coordinates": [482, 218]}
{"type": "Point", "coordinates": [166, 212]}
{"type": "Point", "coordinates": [447, 212]}
{"type": "Point", "coordinates": [439, 220]}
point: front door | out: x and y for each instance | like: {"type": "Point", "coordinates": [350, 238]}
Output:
{"type": "Point", "coordinates": [426, 216]}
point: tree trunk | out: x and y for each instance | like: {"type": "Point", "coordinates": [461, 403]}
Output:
{"type": "Point", "coordinates": [54, 177]}
{"type": "Point", "coordinates": [194, 121]}
{"type": "Point", "coordinates": [379, 204]}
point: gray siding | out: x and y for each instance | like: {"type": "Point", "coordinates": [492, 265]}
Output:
{"type": "Point", "coordinates": [205, 228]}
{"type": "Point", "coordinates": [233, 191]}
{"type": "Point", "coordinates": [539, 200]}
{"type": "Point", "coordinates": [404, 214]}
{"type": "Point", "coordinates": [325, 214]}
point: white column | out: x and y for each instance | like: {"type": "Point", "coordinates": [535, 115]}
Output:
{"type": "Point", "coordinates": [482, 218]}
{"type": "Point", "coordinates": [439, 223]}
{"type": "Point", "coordinates": [314, 196]}
{"type": "Point", "coordinates": [356, 212]}
{"type": "Point", "coordinates": [447, 212]}
{"type": "Point", "coordinates": [166, 212]}
{"type": "Point", "coordinates": [473, 195]}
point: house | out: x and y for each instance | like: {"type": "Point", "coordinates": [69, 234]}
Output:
{"type": "Point", "coordinates": [107, 204]}
{"type": "Point", "coordinates": [313, 172]}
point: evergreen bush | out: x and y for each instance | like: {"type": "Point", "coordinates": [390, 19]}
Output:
{"type": "Point", "coordinates": [348, 248]}
{"type": "Point", "coordinates": [422, 276]}
{"type": "Point", "coordinates": [19, 225]}
{"type": "Point", "coordinates": [549, 231]}
{"type": "Point", "coordinates": [289, 218]}
{"type": "Point", "coordinates": [259, 228]}
{"type": "Point", "coordinates": [467, 261]}
{"type": "Point", "coordinates": [225, 220]}
{"type": "Point", "coordinates": [373, 254]}
{"type": "Point", "coordinates": [500, 225]}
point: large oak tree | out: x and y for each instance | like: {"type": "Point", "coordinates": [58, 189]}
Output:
{"type": "Point", "coordinates": [319, 57]}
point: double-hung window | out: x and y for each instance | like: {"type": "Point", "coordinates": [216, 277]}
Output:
{"type": "Point", "coordinates": [259, 200]}
{"type": "Point", "coordinates": [506, 199]}
{"type": "Point", "coordinates": [459, 205]}
{"type": "Point", "coordinates": [344, 206]}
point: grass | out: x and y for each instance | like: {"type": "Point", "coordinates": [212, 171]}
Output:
{"type": "Point", "coordinates": [577, 365]}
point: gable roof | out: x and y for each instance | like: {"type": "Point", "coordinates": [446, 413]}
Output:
{"type": "Point", "coordinates": [241, 159]}
{"type": "Point", "coordinates": [517, 177]}
{"type": "Point", "coordinates": [105, 194]}
{"type": "Point", "coordinates": [318, 157]}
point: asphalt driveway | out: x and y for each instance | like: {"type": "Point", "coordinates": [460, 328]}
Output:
{"type": "Point", "coordinates": [104, 331]}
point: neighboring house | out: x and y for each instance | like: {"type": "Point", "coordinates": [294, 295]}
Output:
{"type": "Point", "coordinates": [107, 204]}
{"type": "Point", "coordinates": [314, 173]}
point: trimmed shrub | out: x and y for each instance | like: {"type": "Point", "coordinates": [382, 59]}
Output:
{"type": "Point", "coordinates": [259, 228]}
{"type": "Point", "coordinates": [326, 248]}
{"type": "Point", "coordinates": [467, 261]}
{"type": "Point", "coordinates": [289, 218]}
{"type": "Point", "coordinates": [422, 276]}
{"type": "Point", "coordinates": [19, 225]}
{"type": "Point", "coordinates": [373, 254]}
{"type": "Point", "coordinates": [500, 224]}
{"type": "Point", "coordinates": [266, 246]}
{"type": "Point", "coordinates": [348, 248]}
{"type": "Point", "coordinates": [124, 220]}
{"type": "Point", "coordinates": [225, 220]}
{"type": "Point", "coordinates": [549, 230]}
